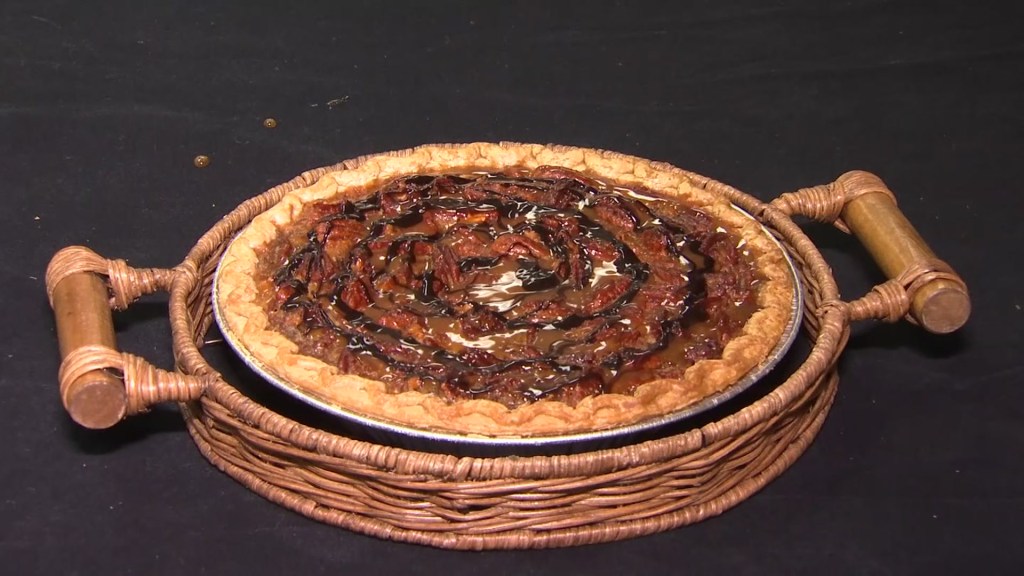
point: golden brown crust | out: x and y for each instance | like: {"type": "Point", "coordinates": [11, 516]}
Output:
{"type": "Point", "coordinates": [246, 320]}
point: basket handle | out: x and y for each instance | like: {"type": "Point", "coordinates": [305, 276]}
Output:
{"type": "Point", "coordinates": [99, 385]}
{"type": "Point", "coordinates": [921, 287]}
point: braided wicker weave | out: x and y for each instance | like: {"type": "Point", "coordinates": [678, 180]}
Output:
{"type": "Point", "coordinates": [503, 502]}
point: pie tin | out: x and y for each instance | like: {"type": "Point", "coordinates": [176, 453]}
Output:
{"type": "Point", "coordinates": [428, 440]}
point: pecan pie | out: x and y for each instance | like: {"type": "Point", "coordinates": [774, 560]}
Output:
{"type": "Point", "coordinates": [505, 290]}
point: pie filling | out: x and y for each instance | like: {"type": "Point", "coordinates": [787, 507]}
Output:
{"type": "Point", "coordinates": [512, 287]}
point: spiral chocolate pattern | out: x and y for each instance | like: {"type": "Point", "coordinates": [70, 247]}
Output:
{"type": "Point", "coordinates": [512, 287]}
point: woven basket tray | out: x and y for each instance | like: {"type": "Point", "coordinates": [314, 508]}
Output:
{"type": "Point", "coordinates": [496, 502]}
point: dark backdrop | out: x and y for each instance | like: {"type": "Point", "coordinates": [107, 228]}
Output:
{"type": "Point", "coordinates": [103, 106]}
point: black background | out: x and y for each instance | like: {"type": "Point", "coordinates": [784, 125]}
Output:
{"type": "Point", "coordinates": [103, 106]}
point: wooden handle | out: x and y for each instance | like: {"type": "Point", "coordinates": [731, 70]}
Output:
{"type": "Point", "coordinates": [940, 303]}
{"type": "Point", "coordinates": [81, 306]}
{"type": "Point", "coordinates": [99, 386]}
{"type": "Point", "coordinates": [920, 286]}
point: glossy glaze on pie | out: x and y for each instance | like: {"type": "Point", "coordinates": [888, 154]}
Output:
{"type": "Point", "coordinates": [505, 290]}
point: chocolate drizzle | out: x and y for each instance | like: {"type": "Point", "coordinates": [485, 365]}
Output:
{"type": "Point", "coordinates": [511, 287]}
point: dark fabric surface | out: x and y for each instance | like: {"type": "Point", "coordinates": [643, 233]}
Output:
{"type": "Point", "coordinates": [103, 106]}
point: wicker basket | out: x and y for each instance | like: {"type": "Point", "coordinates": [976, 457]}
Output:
{"type": "Point", "coordinates": [496, 502]}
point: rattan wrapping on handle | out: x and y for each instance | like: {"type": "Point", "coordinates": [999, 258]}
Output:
{"type": "Point", "coordinates": [519, 502]}
{"type": "Point", "coordinates": [145, 384]}
{"type": "Point", "coordinates": [825, 202]}
{"type": "Point", "coordinates": [126, 284]}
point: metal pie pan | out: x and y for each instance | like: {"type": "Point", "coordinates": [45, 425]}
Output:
{"type": "Point", "coordinates": [424, 439]}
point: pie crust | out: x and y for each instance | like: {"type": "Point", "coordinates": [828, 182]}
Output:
{"type": "Point", "coordinates": [246, 320]}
